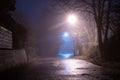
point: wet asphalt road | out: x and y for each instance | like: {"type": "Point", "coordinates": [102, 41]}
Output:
{"type": "Point", "coordinates": [59, 69]}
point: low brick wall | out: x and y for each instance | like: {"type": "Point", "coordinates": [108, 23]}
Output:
{"type": "Point", "coordinates": [11, 58]}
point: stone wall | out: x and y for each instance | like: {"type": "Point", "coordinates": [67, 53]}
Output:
{"type": "Point", "coordinates": [5, 38]}
{"type": "Point", "coordinates": [11, 58]}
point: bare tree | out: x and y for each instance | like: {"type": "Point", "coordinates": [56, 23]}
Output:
{"type": "Point", "coordinates": [99, 10]}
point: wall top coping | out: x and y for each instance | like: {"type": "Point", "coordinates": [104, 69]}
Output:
{"type": "Point", "coordinates": [5, 29]}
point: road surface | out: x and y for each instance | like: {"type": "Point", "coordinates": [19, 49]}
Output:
{"type": "Point", "coordinates": [59, 69]}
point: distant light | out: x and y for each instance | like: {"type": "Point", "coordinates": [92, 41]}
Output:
{"type": "Point", "coordinates": [65, 34]}
{"type": "Point", "coordinates": [66, 55]}
{"type": "Point", "coordinates": [75, 33]}
{"type": "Point", "coordinates": [72, 19]}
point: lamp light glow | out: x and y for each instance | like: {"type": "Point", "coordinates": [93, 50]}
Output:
{"type": "Point", "coordinates": [72, 19]}
{"type": "Point", "coordinates": [65, 34]}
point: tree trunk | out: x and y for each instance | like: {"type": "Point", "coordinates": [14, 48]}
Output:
{"type": "Point", "coordinates": [100, 43]}
{"type": "Point", "coordinates": [107, 21]}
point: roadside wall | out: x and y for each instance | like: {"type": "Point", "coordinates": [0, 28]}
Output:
{"type": "Point", "coordinates": [11, 58]}
{"type": "Point", "coordinates": [5, 38]}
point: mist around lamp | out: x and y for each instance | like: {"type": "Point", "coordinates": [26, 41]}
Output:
{"type": "Point", "coordinates": [72, 19]}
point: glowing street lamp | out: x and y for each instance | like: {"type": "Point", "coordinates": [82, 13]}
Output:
{"type": "Point", "coordinates": [72, 19]}
{"type": "Point", "coordinates": [65, 34]}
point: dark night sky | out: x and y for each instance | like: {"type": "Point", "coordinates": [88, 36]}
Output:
{"type": "Point", "coordinates": [28, 6]}
{"type": "Point", "coordinates": [32, 8]}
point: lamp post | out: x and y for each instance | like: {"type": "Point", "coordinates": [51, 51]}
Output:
{"type": "Point", "coordinates": [73, 21]}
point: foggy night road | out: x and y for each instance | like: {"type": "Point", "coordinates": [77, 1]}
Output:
{"type": "Point", "coordinates": [59, 69]}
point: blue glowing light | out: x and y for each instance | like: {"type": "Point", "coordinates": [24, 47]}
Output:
{"type": "Point", "coordinates": [66, 55]}
{"type": "Point", "coordinates": [67, 48]}
{"type": "Point", "coordinates": [65, 34]}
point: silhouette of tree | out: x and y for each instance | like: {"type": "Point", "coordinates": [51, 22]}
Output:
{"type": "Point", "coordinates": [104, 12]}
{"type": "Point", "coordinates": [113, 44]}
{"type": "Point", "coordinates": [6, 6]}
{"type": "Point", "coordinates": [115, 23]}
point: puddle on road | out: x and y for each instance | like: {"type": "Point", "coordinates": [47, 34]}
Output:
{"type": "Point", "coordinates": [71, 67]}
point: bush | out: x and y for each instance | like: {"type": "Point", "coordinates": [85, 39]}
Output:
{"type": "Point", "coordinates": [90, 52]}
